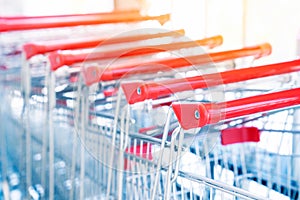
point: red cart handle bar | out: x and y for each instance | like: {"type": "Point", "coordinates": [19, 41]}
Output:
{"type": "Point", "coordinates": [32, 23]}
{"type": "Point", "coordinates": [67, 15]}
{"type": "Point", "coordinates": [59, 59]}
{"type": "Point", "coordinates": [140, 91]}
{"type": "Point", "coordinates": [32, 49]}
{"type": "Point", "coordinates": [95, 74]}
{"type": "Point", "coordinates": [194, 115]}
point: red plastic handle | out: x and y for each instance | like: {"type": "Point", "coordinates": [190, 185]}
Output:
{"type": "Point", "coordinates": [240, 135]}
{"type": "Point", "coordinates": [69, 20]}
{"type": "Point", "coordinates": [155, 90]}
{"type": "Point", "coordinates": [32, 49]}
{"type": "Point", "coordinates": [194, 115]}
{"type": "Point", "coordinates": [114, 73]}
{"type": "Point", "coordinates": [58, 59]}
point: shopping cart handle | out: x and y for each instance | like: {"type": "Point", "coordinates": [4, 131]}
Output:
{"type": "Point", "coordinates": [59, 59]}
{"type": "Point", "coordinates": [194, 115]}
{"type": "Point", "coordinates": [240, 135]}
{"type": "Point", "coordinates": [257, 51]}
{"type": "Point", "coordinates": [69, 15]}
{"type": "Point", "coordinates": [30, 23]}
{"type": "Point", "coordinates": [32, 49]}
{"type": "Point", "coordinates": [114, 73]}
{"type": "Point", "coordinates": [158, 89]}
{"type": "Point", "coordinates": [211, 42]}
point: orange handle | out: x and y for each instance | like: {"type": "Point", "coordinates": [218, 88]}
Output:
{"type": "Point", "coordinates": [32, 49]}
{"type": "Point", "coordinates": [30, 23]}
{"type": "Point", "coordinates": [69, 15]}
{"type": "Point", "coordinates": [96, 74]}
{"type": "Point", "coordinates": [59, 59]}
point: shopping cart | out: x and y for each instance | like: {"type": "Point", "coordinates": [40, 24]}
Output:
{"type": "Point", "coordinates": [38, 48]}
{"type": "Point", "coordinates": [60, 165]}
{"type": "Point", "coordinates": [17, 30]}
{"type": "Point", "coordinates": [108, 54]}
{"type": "Point", "coordinates": [38, 83]}
{"type": "Point", "coordinates": [40, 66]}
{"type": "Point", "coordinates": [210, 162]}
{"type": "Point", "coordinates": [255, 165]}
{"type": "Point", "coordinates": [102, 120]}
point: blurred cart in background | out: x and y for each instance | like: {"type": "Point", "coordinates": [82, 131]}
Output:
{"type": "Point", "coordinates": [15, 31]}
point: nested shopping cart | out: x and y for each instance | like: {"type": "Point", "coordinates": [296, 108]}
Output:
{"type": "Point", "coordinates": [249, 153]}
{"type": "Point", "coordinates": [80, 57]}
{"type": "Point", "coordinates": [17, 30]}
{"type": "Point", "coordinates": [100, 118]}
{"type": "Point", "coordinates": [57, 60]}
{"type": "Point", "coordinates": [259, 160]}
{"type": "Point", "coordinates": [42, 73]}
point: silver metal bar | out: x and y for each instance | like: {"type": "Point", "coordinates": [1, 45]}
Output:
{"type": "Point", "coordinates": [121, 154]}
{"type": "Point", "coordinates": [170, 163]}
{"type": "Point", "coordinates": [83, 118]}
{"type": "Point", "coordinates": [26, 118]}
{"type": "Point", "coordinates": [51, 102]}
{"type": "Point", "coordinates": [113, 142]}
{"type": "Point", "coordinates": [221, 186]}
{"type": "Point", "coordinates": [162, 147]}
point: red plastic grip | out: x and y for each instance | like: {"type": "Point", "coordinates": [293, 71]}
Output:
{"type": "Point", "coordinates": [114, 73]}
{"type": "Point", "coordinates": [194, 115]}
{"type": "Point", "coordinates": [31, 23]}
{"type": "Point", "coordinates": [71, 58]}
{"type": "Point", "coordinates": [240, 135]}
{"type": "Point", "coordinates": [154, 90]}
{"type": "Point", "coordinates": [32, 49]}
